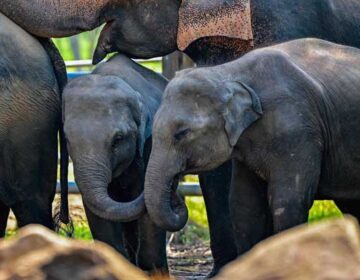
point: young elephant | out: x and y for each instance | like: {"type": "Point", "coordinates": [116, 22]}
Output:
{"type": "Point", "coordinates": [107, 120]}
{"type": "Point", "coordinates": [289, 117]}
{"type": "Point", "coordinates": [30, 118]}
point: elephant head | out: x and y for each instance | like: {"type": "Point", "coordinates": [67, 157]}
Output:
{"type": "Point", "coordinates": [138, 28]}
{"type": "Point", "coordinates": [211, 114]}
{"type": "Point", "coordinates": [156, 28]}
{"type": "Point", "coordinates": [106, 126]}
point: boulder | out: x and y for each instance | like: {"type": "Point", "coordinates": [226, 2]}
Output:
{"type": "Point", "coordinates": [325, 250]}
{"type": "Point", "coordinates": [38, 253]}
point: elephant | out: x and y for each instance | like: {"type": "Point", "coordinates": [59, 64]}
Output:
{"type": "Point", "coordinates": [285, 117]}
{"type": "Point", "coordinates": [31, 79]}
{"type": "Point", "coordinates": [150, 28]}
{"type": "Point", "coordinates": [108, 121]}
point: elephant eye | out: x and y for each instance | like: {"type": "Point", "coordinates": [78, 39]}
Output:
{"type": "Point", "coordinates": [117, 139]}
{"type": "Point", "coordinates": [181, 134]}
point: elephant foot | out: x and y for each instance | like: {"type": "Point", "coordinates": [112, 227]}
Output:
{"type": "Point", "coordinates": [218, 265]}
{"type": "Point", "coordinates": [215, 270]}
{"type": "Point", "coordinates": [158, 273]}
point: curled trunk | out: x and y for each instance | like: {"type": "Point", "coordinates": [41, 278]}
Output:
{"type": "Point", "coordinates": [93, 180]}
{"type": "Point", "coordinates": [55, 18]}
{"type": "Point", "coordinates": [163, 204]}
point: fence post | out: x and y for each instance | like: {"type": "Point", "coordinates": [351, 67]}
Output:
{"type": "Point", "coordinates": [175, 62]}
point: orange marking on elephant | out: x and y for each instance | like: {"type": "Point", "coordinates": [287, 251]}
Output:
{"type": "Point", "coordinates": [216, 18]}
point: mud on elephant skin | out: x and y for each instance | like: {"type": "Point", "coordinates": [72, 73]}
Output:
{"type": "Point", "coordinates": [108, 119]}
{"type": "Point", "coordinates": [285, 117]}
{"type": "Point", "coordinates": [31, 79]}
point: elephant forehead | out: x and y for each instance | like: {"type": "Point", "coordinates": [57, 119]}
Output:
{"type": "Point", "coordinates": [108, 89]}
{"type": "Point", "coordinates": [215, 18]}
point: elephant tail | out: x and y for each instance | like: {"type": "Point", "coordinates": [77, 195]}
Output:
{"type": "Point", "coordinates": [64, 162]}
{"type": "Point", "coordinates": [59, 68]}
{"type": "Point", "coordinates": [56, 60]}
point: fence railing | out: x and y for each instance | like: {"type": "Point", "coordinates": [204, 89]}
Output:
{"type": "Point", "coordinates": [184, 189]}
{"type": "Point", "coordinates": [88, 63]}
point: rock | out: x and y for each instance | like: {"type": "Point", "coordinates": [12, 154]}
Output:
{"type": "Point", "coordinates": [38, 253]}
{"type": "Point", "coordinates": [326, 250]}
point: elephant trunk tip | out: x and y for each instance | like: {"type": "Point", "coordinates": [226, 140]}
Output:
{"type": "Point", "coordinates": [111, 210]}
{"type": "Point", "coordinates": [99, 55]}
{"type": "Point", "coordinates": [170, 212]}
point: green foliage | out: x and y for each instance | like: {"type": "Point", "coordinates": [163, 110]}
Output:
{"type": "Point", "coordinates": [82, 231]}
{"type": "Point", "coordinates": [197, 211]}
{"type": "Point", "coordinates": [192, 233]}
{"type": "Point", "coordinates": [78, 47]}
{"type": "Point", "coordinates": [197, 228]}
{"type": "Point", "coordinates": [81, 47]}
{"type": "Point", "coordinates": [10, 233]}
{"type": "Point", "coordinates": [323, 209]}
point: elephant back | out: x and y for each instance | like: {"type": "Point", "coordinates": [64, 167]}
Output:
{"type": "Point", "coordinates": [28, 84]}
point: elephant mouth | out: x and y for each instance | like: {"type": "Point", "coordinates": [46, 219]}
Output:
{"type": "Point", "coordinates": [177, 201]}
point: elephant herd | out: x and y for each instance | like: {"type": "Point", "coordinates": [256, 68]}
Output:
{"type": "Point", "coordinates": [267, 130]}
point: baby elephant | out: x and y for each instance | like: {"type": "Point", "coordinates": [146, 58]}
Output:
{"type": "Point", "coordinates": [107, 121]}
{"type": "Point", "coordinates": [289, 117]}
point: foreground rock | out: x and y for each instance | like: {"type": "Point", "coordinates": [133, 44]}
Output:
{"type": "Point", "coordinates": [37, 253]}
{"type": "Point", "coordinates": [327, 250]}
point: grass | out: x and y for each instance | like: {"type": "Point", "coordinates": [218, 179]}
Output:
{"type": "Point", "coordinates": [197, 228]}
{"type": "Point", "coordinates": [323, 209]}
{"type": "Point", "coordinates": [81, 231]}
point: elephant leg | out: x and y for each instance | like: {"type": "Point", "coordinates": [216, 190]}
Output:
{"type": "Point", "coordinates": [33, 166]}
{"type": "Point", "coordinates": [152, 249]}
{"type": "Point", "coordinates": [292, 188]}
{"type": "Point", "coordinates": [349, 206]}
{"type": "Point", "coordinates": [106, 231]}
{"type": "Point", "coordinates": [215, 186]}
{"type": "Point", "coordinates": [33, 212]}
{"type": "Point", "coordinates": [249, 208]}
{"type": "Point", "coordinates": [4, 214]}
{"type": "Point", "coordinates": [131, 240]}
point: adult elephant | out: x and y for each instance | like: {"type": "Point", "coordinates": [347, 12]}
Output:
{"type": "Point", "coordinates": [149, 28]}
{"type": "Point", "coordinates": [32, 75]}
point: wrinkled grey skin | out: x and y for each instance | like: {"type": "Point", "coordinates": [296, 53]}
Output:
{"type": "Point", "coordinates": [29, 123]}
{"type": "Point", "coordinates": [148, 28]}
{"type": "Point", "coordinates": [107, 119]}
{"type": "Point", "coordinates": [288, 117]}
{"type": "Point", "coordinates": [138, 28]}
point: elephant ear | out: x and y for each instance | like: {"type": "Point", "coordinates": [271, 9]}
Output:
{"type": "Point", "coordinates": [144, 122]}
{"type": "Point", "coordinates": [105, 43]}
{"type": "Point", "coordinates": [243, 107]}
{"type": "Point", "coordinates": [215, 18]}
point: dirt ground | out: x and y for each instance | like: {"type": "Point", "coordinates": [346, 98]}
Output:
{"type": "Point", "coordinates": [186, 261]}
{"type": "Point", "coordinates": [189, 261]}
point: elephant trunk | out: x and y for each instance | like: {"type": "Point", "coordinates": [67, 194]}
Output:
{"type": "Point", "coordinates": [163, 204]}
{"type": "Point", "coordinates": [55, 19]}
{"type": "Point", "coordinates": [93, 180]}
